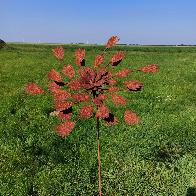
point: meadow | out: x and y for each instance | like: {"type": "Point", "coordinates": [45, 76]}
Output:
{"type": "Point", "coordinates": [156, 157]}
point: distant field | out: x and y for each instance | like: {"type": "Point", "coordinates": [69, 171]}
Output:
{"type": "Point", "coordinates": [156, 157]}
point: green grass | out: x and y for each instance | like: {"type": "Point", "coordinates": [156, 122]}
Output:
{"type": "Point", "coordinates": [156, 157]}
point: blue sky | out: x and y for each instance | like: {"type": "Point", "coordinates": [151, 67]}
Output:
{"type": "Point", "coordinates": [94, 21]}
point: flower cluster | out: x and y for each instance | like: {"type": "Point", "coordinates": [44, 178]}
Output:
{"type": "Point", "coordinates": [91, 86]}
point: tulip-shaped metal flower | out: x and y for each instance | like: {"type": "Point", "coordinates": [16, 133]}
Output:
{"type": "Point", "coordinates": [91, 85]}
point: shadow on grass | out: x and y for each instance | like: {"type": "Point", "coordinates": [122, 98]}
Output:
{"type": "Point", "coordinates": [32, 191]}
{"type": "Point", "coordinates": [191, 191]}
{"type": "Point", "coordinates": [166, 153]}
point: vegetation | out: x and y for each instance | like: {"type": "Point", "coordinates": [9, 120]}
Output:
{"type": "Point", "coordinates": [2, 44]}
{"type": "Point", "coordinates": [156, 157]}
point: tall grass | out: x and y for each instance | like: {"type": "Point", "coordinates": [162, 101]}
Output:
{"type": "Point", "coordinates": [156, 157]}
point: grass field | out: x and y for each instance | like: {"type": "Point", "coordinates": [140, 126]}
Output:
{"type": "Point", "coordinates": [156, 157]}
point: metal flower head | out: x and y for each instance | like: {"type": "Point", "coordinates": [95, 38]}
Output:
{"type": "Point", "coordinates": [92, 86]}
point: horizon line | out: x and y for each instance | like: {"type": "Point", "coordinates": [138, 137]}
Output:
{"type": "Point", "coordinates": [99, 44]}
